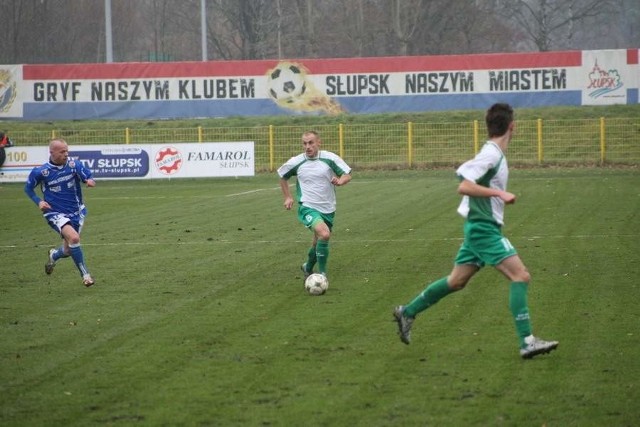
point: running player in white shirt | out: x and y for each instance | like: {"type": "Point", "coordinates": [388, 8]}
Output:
{"type": "Point", "coordinates": [318, 172]}
{"type": "Point", "coordinates": [483, 185]}
{"type": "Point", "coordinates": [62, 206]}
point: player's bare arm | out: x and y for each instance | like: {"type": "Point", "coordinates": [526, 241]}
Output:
{"type": "Point", "coordinates": [341, 180]}
{"type": "Point", "coordinates": [288, 200]}
{"type": "Point", "coordinates": [470, 188]}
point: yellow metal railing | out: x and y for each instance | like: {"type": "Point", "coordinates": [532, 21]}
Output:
{"type": "Point", "coordinates": [603, 145]}
{"type": "Point", "coordinates": [394, 145]}
{"type": "Point", "coordinates": [540, 146]}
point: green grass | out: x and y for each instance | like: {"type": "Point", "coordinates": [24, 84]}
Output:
{"type": "Point", "coordinates": [198, 316]}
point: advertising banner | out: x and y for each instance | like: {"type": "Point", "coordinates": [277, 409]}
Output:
{"type": "Point", "coordinates": [316, 86]}
{"type": "Point", "coordinates": [142, 161]}
{"type": "Point", "coordinates": [609, 80]}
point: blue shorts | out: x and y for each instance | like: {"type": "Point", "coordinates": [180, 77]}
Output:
{"type": "Point", "coordinates": [57, 220]}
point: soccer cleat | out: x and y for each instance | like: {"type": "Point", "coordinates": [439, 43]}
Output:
{"type": "Point", "coordinates": [87, 280]}
{"type": "Point", "coordinates": [305, 273]}
{"type": "Point", "coordinates": [404, 324]}
{"type": "Point", "coordinates": [534, 346]}
{"type": "Point", "coordinates": [48, 267]}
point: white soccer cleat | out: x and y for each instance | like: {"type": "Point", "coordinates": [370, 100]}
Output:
{"type": "Point", "coordinates": [87, 280]}
{"type": "Point", "coordinates": [305, 273]}
{"type": "Point", "coordinates": [535, 346]}
{"type": "Point", "coordinates": [48, 267]}
{"type": "Point", "coordinates": [404, 324]}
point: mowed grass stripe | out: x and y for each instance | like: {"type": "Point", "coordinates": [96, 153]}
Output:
{"type": "Point", "coordinates": [208, 323]}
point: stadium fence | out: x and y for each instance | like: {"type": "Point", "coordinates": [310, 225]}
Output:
{"type": "Point", "coordinates": [588, 142]}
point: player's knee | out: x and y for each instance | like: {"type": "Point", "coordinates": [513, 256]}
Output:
{"type": "Point", "coordinates": [457, 283]}
{"type": "Point", "coordinates": [74, 240]}
{"type": "Point", "coordinates": [522, 276]}
{"type": "Point", "coordinates": [324, 236]}
{"type": "Point", "coordinates": [323, 233]}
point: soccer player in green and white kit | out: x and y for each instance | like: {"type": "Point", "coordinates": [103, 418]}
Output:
{"type": "Point", "coordinates": [318, 172]}
{"type": "Point", "coordinates": [483, 184]}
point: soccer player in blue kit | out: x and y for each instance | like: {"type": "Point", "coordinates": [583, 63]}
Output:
{"type": "Point", "coordinates": [60, 181]}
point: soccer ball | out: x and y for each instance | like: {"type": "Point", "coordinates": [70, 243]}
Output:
{"type": "Point", "coordinates": [286, 82]}
{"type": "Point", "coordinates": [316, 284]}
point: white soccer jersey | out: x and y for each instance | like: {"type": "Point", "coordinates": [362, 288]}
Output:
{"type": "Point", "coordinates": [314, 188]}
{"type": "Point", "coordinates": [488, 168]}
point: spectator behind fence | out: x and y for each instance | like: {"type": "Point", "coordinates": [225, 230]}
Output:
{"type": "Point", "coordinates": [4, 142]}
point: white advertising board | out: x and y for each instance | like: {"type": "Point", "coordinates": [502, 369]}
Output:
{"type": "Point", "coordinates": [142, 161]}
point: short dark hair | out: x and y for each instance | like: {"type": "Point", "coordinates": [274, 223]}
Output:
{"type": "Point", "coordinates": [498, 118]}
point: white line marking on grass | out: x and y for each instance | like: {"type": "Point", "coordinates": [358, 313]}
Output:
{"type": "Point", "coordinates": [357, 181]}
{"type": "Point", "coordinates": [251, 191]}
{"type": "Point", "coordinates": [178, 196]}
{"type": "Point", "coordinates": [340, 242]}
{"type": "Point", "coordinates": [134, 198]}
{"type": "Point", "coordinates": [244, 192]}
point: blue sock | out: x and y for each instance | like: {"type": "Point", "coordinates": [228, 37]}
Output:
{"type": "Point", "coordinates": [58, 253]}
{"type": "Point", "coordinates": [78, 258]}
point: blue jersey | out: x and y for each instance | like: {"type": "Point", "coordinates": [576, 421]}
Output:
{"type": "Point", "coordinates": [60, 185]}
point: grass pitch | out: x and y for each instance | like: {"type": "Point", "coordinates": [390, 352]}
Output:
{"type": "Point", "coordinates": [199, 317]}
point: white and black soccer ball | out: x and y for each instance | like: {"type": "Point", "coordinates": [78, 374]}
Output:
{"type": "Point", "coordinates": [286, 82]}
{"type": "Point", "coordinates": [316, 284]}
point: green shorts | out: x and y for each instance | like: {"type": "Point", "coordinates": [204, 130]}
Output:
{"type": "Point", "coordinates": [483, 245]}
{"type": "Point", "coordinates": [310, 217]}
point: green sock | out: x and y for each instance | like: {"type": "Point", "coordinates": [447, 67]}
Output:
{"type": "Point", "coordinates": [311, 259]}
{"type": "Point", "coordinates": [520, 310]}
{"type": "Point", "coordinates": [431, 295]}
{"type": "Point", "coordinates": [322, 254]}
